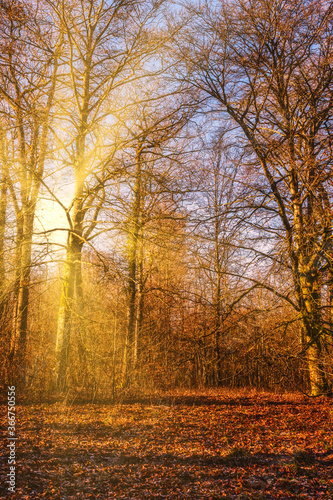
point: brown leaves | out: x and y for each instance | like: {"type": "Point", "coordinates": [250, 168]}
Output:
{"type": "Point", "coordinates": [256, 447]}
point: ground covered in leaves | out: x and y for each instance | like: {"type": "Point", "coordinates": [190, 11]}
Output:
{"type": "Point", "coordinates": [182, 446]}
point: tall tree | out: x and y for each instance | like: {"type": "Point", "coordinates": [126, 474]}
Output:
{"type": "Point", "coordinates": [154, 158]}
{"type": "Point", "coordinates": [218, 231]}
{"type": "Point", "coordinates": [29, 66]}
{"type": "Point", "coordinates": [107, 47]}
{"type": "Point", "coordinates": [267, 65]}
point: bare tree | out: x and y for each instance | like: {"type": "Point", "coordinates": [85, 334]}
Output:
{"type": "Point", "coordinates": [107, 46]}
{"type": "Point", "coordinates": [217, 231]}
{"type": "Point", "coordinates": [151, 166]}
{"type": "Point", "coordinates": [29, 61]}
{"type": "Point", "coordinates": [267, 64]}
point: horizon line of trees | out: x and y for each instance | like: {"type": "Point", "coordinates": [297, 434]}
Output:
{"type": "Point", "coordinates": [186, 153]}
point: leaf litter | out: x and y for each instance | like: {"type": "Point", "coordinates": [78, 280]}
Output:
{"type": "Point", "coordinates": [193, 447]}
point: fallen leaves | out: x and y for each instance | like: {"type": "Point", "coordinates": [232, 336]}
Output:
{"type": "Point", "coordinates": [195, 448]}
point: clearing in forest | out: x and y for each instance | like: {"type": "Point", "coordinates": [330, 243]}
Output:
{"type": "Point", "coordinates": [190, 446]}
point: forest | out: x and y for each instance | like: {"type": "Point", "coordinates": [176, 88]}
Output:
{"type": "Point", "coordinates": [166, 196]}
{"type": "Point", "coordinates": [166, 249]}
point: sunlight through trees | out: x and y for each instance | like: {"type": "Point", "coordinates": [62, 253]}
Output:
{"type": "Point", "coordinates": [189, 151]}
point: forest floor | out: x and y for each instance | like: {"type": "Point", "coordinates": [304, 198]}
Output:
{"type": "Point", "coordinates": [193, 446]}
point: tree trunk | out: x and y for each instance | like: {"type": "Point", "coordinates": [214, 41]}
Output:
{"type": "Point", "coordinates": [133, 238]}
{"type": "Point", "coordinates": [3, 212]}
{"type": "Point", "coordinates": [318, 383]}
{"type": "Point", "coordinates": [313, 333]}
{"type": "Point", "coordinates": [132, 290]}
{"type": "Point", "coordinates": [20, 319]}
{"type": "Point", "coordinates": [330, 300]}
{"type": "Point", "coordinates": [218, 272]}
{"type": "Point", "coordinates": [138, 321]}
{"type": "Point", "coordinates": [217, 354]}
{"type": "Point", "coordinates": [79, 308]}
{"type": "Point", "coordinates": [72, 268]}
